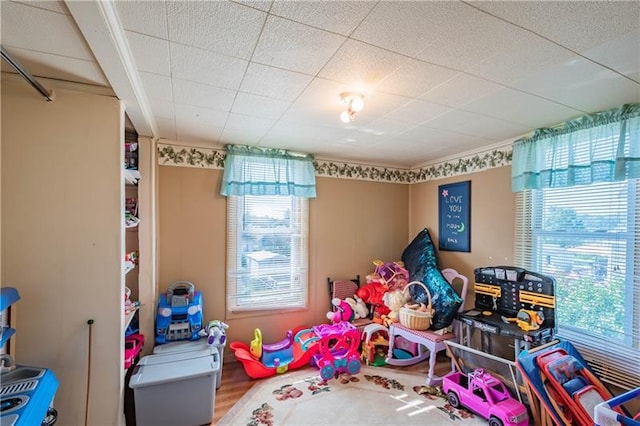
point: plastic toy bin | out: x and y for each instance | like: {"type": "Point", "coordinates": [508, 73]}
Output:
{"type": "Point", "coordinates": [175, 389]}
{"type": "Point", "coordinates": [198, 345]}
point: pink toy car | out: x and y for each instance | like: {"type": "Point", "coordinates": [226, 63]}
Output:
{"type": "Point", "coordinates": [132, 347]}
{"type": "Point", "coordinates": [485, 395]}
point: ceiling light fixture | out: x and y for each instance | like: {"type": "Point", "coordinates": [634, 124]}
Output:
{"type": "Point", "coordinates": [354, 104]}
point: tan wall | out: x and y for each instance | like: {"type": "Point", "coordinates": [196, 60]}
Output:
{"type": "Point", "coordinates": [351, 224]}
{"type": "Point", "coordinates": [492, 220]}
{"type": "Point", "coordinates": [62, 236]}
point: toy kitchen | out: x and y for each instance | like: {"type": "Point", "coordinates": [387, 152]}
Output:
{"type": "Point", "coordinates": [26, 392]}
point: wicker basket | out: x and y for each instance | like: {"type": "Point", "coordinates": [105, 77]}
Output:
{"type": "Point", "coordinates": [416, 320]}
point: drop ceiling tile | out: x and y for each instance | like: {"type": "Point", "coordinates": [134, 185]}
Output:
{"type": "Point", "coordinates": [493, 129]}
{"type": "Point", "coordinates": [238, 122]}
{"type": "Point", "coordinates": [524, 55]}
{"type": "Point", "coordinates": [621, 54]}
{"type": "Point", "coordinates": [53, 6]}
{"type": "Point", "coordinates": [578, 25]}
{"type": "Point", "coordinates": [57, 67]}
{"type": "Point", "coordinates": [449, 34]}
{"type": "Point", "coordinates": [319, 104]}
{"type": "Point", "coordinates": [340, 17]}
{"type": "Point", "coordinates": [417, 111]}
{"type": "Point", "coordinates": [263, 5]}
{"type": "Point", "coordinates": [157, 87]}
{"type": "Point", "coordinates": [397, 26]}
{"type": "Point", "coordinates": [201, 135]}
{"type": "Point", "coordinates": [460, 90]}
{"type": "Point", "coordinates": [274, 82]}
{"type": "Point", "coordinates": [387, 127]}
{"type": "Point", "coordinates": [294, 46]}
{"type": "Point", "coordinates": [36, 29]}
{"type": "Point", "coordinates": [413, 78]}
{"type": "Point", "coordinates": [291, 134]}
{"type": "Point", "coordinates": [378, 105]}
{"type": "Point", "coordinates": [145, 17]}
{"type": "Point", "coordinates": [162, 109]}
{"type": "Point", "coordinates": [223, 27]}
{"type": "Point", "coordinates": [199, 117]}
{"type": "Point", "coordinates": [241, 137]}
{"type": "Point", "coordinates": [203, 66]}
{"type": "Point", "coordinates": [150, 54]}
{"type": "Point", "coordinates": [425, 135]}
{"type": "Point", "coordinates": [166, 127]}
{"type": "Point", "coordinates": [474, 37]}
{"type": "Point", "coordinates": [481, 126]}
{"type": "Point", "coordinates": [202, 95]}
{"type": "Point", "coordinates": [361, 66]}
{"type": "Point", "coordinates": [583, 85]}
{"type": "Point", "coordinates": [523, 109]}
{"type": "Point", "coordinates": [259, 106]}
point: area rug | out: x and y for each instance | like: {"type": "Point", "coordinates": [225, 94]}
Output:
{"type": "Point", "coordinates": [375, 396]}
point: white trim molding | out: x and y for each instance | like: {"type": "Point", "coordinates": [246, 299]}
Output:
{"type": "Point", "coordinates": [213, 158]}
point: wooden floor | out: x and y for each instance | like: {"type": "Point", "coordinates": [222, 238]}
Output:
{"type": "Point", "coordinates": [235, 382]}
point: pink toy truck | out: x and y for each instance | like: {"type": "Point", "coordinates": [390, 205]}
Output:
{"type": "Point", "coordinates": [485, 395]}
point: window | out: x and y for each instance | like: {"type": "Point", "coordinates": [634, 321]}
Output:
{"type": "Point", "coordinates": [267, 252]}
{"type": "Point", "coordinates": [587, 238]}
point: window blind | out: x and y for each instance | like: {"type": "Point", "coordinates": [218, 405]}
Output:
{"type": "Point", "coordinates": [267, 264]}
{"type": "Point", "coordinates": [587, 238]}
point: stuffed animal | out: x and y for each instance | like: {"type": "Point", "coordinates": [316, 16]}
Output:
{"type": "Point", "coordinates": [342, 311]}
{"type": "Point", "coordinates": [359, 307]}
{"type": "Point", "coordinates": [394, 300]}
{"type": "Point", "coordinates": [216, 332]}
{"type": "Point", "coordinates": [372, 293]}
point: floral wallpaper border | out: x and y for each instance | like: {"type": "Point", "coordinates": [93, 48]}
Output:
{"type": "Point", "coordinates": [174, 155]}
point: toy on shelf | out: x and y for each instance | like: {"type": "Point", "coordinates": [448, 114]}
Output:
{"type": "Point", "coordinates": [132, 347]}
{"type": "Point", "coordinates": [215, 331]}
{"type": "Point", "coordinates": [179, 313]}
{"type": "Point", "coordinates": [485, 395]}
{"type": "Point", "coordinates": [338, 346]}
{"type": "Point", "coordinates": [289, 356]}
{"type": "Point", "coordinates": [375, 344]}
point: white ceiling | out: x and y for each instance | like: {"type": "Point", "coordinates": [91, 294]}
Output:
{"type": "Point", "coordinates": [439, 79]}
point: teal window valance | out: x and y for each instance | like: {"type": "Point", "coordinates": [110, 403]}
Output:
{"type": "Point", "coordinates": [600, 147]}
{"type": "Point", "coordinates": [263, 171]}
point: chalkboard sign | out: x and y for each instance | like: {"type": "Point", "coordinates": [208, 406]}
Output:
{"type": "Point", "coordinates": [454, 215]}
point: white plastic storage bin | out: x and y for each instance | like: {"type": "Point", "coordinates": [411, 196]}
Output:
{"type": "Point", "coordinates": [177, 347]}
{"type": "Point", "coordinates": [175, 389]}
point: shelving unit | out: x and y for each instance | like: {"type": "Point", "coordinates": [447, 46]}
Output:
{"type": "Point", "coordinates": [131, 257]}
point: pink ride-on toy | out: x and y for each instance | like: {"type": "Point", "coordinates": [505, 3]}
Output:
{"type": "Point", "coordinates": [338, 346]}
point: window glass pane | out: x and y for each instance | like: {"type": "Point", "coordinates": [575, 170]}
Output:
{"type": "Point", "coordinates": [267, 263]}
{"type": "Point", "coordinates": [586, 237]}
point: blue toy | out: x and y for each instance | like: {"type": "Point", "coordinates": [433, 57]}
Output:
{"type": "Point", "coordinates": [179, 313]}
{"type": "Point", "coordinates": [216, 332]}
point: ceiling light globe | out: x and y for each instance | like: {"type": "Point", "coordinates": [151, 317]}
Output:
{"type": "Point", "coordinates": [357, 103]}
{"type": "Point", "coordinates": [345, 117]}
